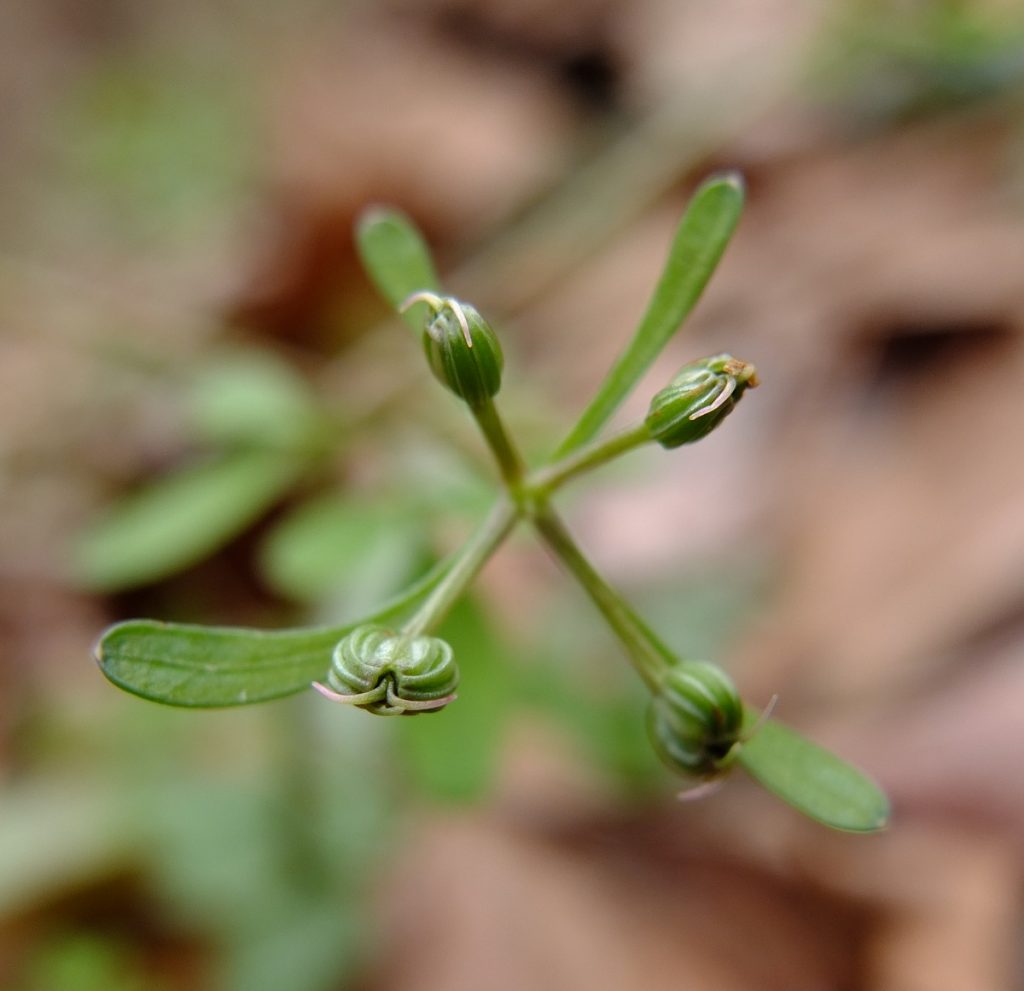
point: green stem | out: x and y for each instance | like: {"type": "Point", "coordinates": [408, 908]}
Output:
{"type": "Point", "coordinates": [649, 655]}
{"type": "Point", "coordinates": [546, 480]}
{"type": "Point", "coordinates": [464, 568]}
{"type": "Point", "coordinates": [510, 461]}
{"type": "Point", "coordinates": [300, 799]}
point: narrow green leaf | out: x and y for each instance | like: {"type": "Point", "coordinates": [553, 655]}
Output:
{"type": "Point", "coordinates": [207, 666]}
{"type": "Point", "coordinates": [397, 259]}
{"type": "Point", "coordinates": [811, 779]}
{"type": "Point", "coordinates": [700, 240]}
{"type": "Point", "coordinates": [179, 520]}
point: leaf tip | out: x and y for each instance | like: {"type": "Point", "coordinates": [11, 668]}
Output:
{"type": "Point", "coordinates": [732, 178]}
{"type": "Point", "coordinates": [881, 820]}
{"type": "Point", "coordinates": [100, 645]}
{"type": "Point", "coordinates": [374, 214]}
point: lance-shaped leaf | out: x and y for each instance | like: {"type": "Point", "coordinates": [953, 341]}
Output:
{"type": "Point", "coordinates": [811, 779]}
{"type": "Point", "coordinates": [397, 259]}
{"type": "Point", "coordinates": [178, 520]}
{"type": "Point", "coordinates": [700, 240]}
{"type": "Point", "coordinates": [208, 666]}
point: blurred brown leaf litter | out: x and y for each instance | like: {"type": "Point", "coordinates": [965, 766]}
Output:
{"type": "Point", "coordinates": [875, 282]}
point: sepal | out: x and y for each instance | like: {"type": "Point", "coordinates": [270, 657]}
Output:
{"type": "Point", "coordinates": [695, 719]}
{"type": "Point", "coordinates": [389, 673]}
{"type": "Point", "coordinates": [461, 348]}
{"type": "Point", "coordinates": [698, 399]}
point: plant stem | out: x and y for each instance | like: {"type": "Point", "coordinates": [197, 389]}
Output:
{"type": "Point", "coordinates": [546, 480]}
{"type": "Point", "coordinates": [649, 655]}
{"type": "Point", "coordinates": [464, 568]}
{"type": "Point", "coordinates": [510, 461]}
{"type": "Point", "coordinates": [528, 498]}
{"type": "Point", "coordinates": [299, 796]}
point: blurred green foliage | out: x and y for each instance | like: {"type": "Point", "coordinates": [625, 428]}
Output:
{"type": "Point", "coordinates": [250, 846]}
{"type": "Point", "coordinates": [890, 62]}
{"type": "Point", "coordinates": [158, 144]}
{"type": "Point", "coordinates": [167, 527]}
{"type": "Point", "coordinates": [261, 429]}
{"type": "Point", "coordinates": [80, 962]}
{"type": "Point", "coordinates": [257, 839]}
